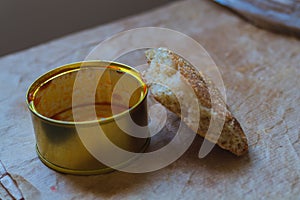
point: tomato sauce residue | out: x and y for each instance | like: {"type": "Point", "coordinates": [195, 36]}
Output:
{"type": "Point", "coordinates": [53, 188]}
{"type": "Point", "coordinates": [30, 96]}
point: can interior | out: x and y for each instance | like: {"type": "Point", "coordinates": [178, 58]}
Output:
{"type": "Point", "coordinates": [92, 93]}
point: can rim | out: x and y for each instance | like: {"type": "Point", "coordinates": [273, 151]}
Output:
{"type": "Point", "coordinates": [51, 74]}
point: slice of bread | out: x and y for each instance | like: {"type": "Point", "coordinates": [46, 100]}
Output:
{"type": "Point", "coordinates": [172, 70]}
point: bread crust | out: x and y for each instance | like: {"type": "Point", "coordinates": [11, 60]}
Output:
{"type": "Point", "coordinates": [232, 137]}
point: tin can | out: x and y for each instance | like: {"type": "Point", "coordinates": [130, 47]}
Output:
{"type": "Point", "coordinates": [49, 99]}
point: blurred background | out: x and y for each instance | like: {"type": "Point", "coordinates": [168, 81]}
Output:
{"type": "Point", "coordinates": [31, 22]}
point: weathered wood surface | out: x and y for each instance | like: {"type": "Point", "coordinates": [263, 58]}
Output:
{"type": "Point", "coordinates": [261, 71]}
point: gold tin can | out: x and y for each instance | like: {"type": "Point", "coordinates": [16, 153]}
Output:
{"type": "Point", "coordinates": [49, 99]}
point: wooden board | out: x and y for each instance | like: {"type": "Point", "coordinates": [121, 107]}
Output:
{"type": "Point", "coordinates": [261, 71]}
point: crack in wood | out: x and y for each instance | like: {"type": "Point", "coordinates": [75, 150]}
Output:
{"type": "Point", "coordinates": [186, 184]}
